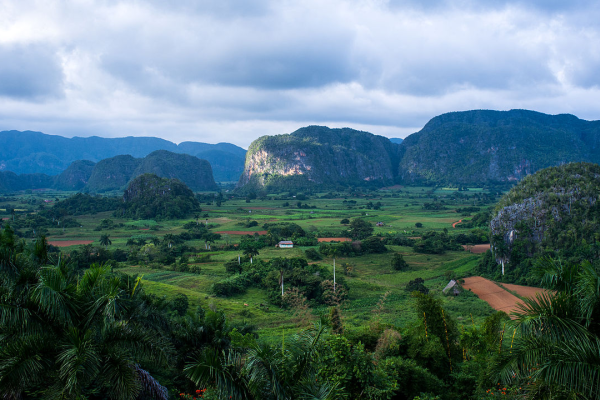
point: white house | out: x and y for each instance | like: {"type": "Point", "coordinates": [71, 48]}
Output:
{"type": "Point", "coordinates": [285, 244]}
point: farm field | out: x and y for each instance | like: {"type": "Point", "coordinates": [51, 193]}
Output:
{"type": "Point", "coordinates": [394, 212]}
{"type": "Point", "coordinates": [499, 296]}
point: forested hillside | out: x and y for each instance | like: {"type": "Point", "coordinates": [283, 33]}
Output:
{"type": "Point", "coordinates": [483, 146]}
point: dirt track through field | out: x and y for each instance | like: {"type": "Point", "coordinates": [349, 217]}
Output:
{"type": "Point", "coordinates": [477, 249]}
{"type": "Point", "coordinates": [242, 232]}
{"type": "Point", "coordinates": [67, 243]}
{"type": "Point", "coordinates": [338, 239]}
{"type": "Point", "coordinates": [498, 298]}
{"type": "Point", "coordinates": [456, 223]}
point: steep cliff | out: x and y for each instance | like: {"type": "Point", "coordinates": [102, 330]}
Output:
{"type": "Point", "coordinates": [317, 156]}
{"type": "Point", "coordinates": [479, 147]}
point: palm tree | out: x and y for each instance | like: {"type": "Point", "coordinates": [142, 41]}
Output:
{"type": "Point", "coordinates": [105, 240]}
{"type": "Point", "coordinates": [265, 372]}
{"type": "Point", "coordinates": [69, 337]}
{"type": "Point", "coordinates": [558, 343]}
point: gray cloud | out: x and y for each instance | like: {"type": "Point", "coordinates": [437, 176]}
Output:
{"type": "Point", "coordinates": [234, 70]}
{"type": "Point", "coordinates": [29, 72]}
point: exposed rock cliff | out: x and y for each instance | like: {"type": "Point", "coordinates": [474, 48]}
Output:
{"type": "Point", "coordinates": [319, 156]}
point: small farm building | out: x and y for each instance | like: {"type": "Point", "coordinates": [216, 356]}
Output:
{"type": "Point", "coordinates": [285, 244]}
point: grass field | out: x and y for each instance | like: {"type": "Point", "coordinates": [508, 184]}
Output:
{"type": "Point", "coordinates": [399, 210]}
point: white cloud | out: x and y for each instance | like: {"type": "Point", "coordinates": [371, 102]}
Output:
{"type": "Point", "coordinates": [229, 70]}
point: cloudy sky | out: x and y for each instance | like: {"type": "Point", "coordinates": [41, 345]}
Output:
{"type": "Point", "coordinates": [234, 70]}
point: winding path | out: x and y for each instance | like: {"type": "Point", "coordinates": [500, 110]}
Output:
{"type": "Point", "coordinates": [456, 223]}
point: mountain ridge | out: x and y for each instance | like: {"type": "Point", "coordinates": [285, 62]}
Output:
{"type": "Point", "coordinates": [27, 152]}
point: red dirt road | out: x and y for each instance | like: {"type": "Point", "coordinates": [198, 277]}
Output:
{"type": "Point", "coordinates": [67, 243]}
{"type": "Point", "coordinates": [493, 294]}
{"type": "Point", "coordinates": [477, 249]}
{"type": "Point", "coordinates": [338, 239]}
{"type": "Point", "coordinates": [242, 232]}
{"type": "Point", "coordinates": [456, 223]}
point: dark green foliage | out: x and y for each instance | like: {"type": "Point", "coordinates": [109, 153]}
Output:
{"type": "Point", "coordinates": [433, 242]}
{"type": "Point", "coordinates": [360, 229]}
{"type": "Point", "coordinates": [418, 225]}
{"type": "Point", "coordinates": [345, 221]}
{"type": "Point", "coordinates": [285, 230]}
{"type": "Point", "coordinates": [151, 197]}
{"type": "Point", "coordinates": [417, 285]}
{"type": "Point", "coordinates": [82, 203]}
{"type": "Point", "coordinates": [180, 304]}
{"type": "Point", "coordinates": [335, 319]}
{"type": "Point", "coordinates": [398, 263]}
{"type": "Point", "coordinates": [312, 254]}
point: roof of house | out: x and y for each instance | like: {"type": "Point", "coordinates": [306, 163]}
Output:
{"type": "Point", "coordinates": [286, 242]}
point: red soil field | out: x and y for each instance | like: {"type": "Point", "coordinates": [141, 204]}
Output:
{"type": "Point", "coordinates": [524, 291]}
{"type": "Point", "coordinates": [243, 232]}
{"type": "Point", "coordinates": [339, 239]}
{"type": "Point", "coordinates": [67, 243]}
{"type": "Point", "coordinates": [477, 249]}
{"type": "Point", "coordinates": [493, 294]}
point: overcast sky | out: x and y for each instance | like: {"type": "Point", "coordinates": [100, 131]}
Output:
{"type": "Point", "coordinates": [234, 70]}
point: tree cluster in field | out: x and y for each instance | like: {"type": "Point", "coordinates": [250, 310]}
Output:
{"type": "Point", "coordinates": [82, 203]}
{"type": "Point", "coordinates": [434, 242]}
{"type": "Point", "coordinates": [311, 280]}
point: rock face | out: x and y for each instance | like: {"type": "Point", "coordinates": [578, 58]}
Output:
{"type": "Point", "coordinates": [114, 173]}
{"type": "Point", "coordinates": [553, 209]}
{"type": "Point", "coordinates": [319, 156]}
{"type": "Point", "coordinates": [76, 176]}
{"type": "Point", "coordinates": [481, 147]}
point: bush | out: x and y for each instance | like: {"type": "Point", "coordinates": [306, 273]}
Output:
{"type": "Point", "coordinates": [398, 263]}
{"type": "Point", "coordinates": [236, 284]}
{"type": "Point", "coordinates": [417, 285]}
{"type": "Point", "coordinates": [312, 254]}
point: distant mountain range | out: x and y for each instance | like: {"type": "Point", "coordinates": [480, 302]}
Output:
{"type": "Point", "coordinates": [116, 172]}
{"type": "Point", "coordinates": [470, 148]}
{"type": "Point", "coordinates": [35, 152]}
{"type": "Point", "coordinates": [474, 148]}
